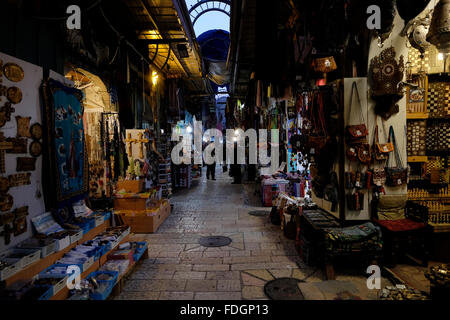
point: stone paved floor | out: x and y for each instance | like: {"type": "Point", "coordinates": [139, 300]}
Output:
{"type": "Point", "coordinates": [179, 268]}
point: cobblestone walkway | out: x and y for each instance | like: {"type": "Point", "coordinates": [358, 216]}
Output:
{"type": "Point", "coordinates": [179, 268]}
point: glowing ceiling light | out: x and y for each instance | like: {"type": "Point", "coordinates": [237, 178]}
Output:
{"type": "Point", "coordinates": [154, 78]}
{"type": "Point", "coordinates": [189, 129]}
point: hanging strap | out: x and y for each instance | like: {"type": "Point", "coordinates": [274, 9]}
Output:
{"type": "Point", "coordinates": [355, 87]}
{"type": "Point", "coordinates": [396, 153]}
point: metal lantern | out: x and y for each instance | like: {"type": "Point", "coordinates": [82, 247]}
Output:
{"type": "Point", "coordinates": [439, 33]}
{"type": "Point", "coordinates": [418, 33]}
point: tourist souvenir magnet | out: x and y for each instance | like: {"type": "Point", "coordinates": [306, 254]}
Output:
{"type": "Point", "coordinates": [19, 179]}
{"type": "Point", "coordinates": [26, 164]}
{"type": "Point", "coordinates": [6, 202]}
{"type": "Point", "coordinates": [19, 145]}
{"type": "Point", "coordinates": [4, 185]}
{"type": "Point", "coordinates": [23, 126]}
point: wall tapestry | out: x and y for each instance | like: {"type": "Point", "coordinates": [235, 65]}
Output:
{"type": "Point", "coordinates": [67, 157]}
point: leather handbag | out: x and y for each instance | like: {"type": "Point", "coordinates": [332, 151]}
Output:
{"type": "Point", "coordinates": [379, 176]}
{"type": "Point", "coordinates": [395, 175]}
{"type": "Point", "coordinates": [364, 154]}
{"type": "Point", "coordinates": [317, 139]}
{"type": "Point", "coordinates": [381, 150]}
{"type": "Point", "coordinates": [324, 65]}
{"type": "Point", "coordinates": [355, 201]}
{"type": "Point", "coordinates": [356, 134]}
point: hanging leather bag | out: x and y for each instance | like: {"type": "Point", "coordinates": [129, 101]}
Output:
{"type": "Point", "coordinates": [356, 134]}
{"type": "Point", "coordinates": [396, 175]}
{"type": "Point", "coordinates": [381, 150]}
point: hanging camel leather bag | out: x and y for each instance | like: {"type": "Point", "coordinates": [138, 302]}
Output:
{"type": "Point", "coordinates": [356, 135]}
{"type": "Point", "coordinates": [396, 175]}
{"type": "Point", "coordinates": [381, 151]}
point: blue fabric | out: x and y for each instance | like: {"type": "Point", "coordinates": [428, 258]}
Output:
{"type": "Point", "coordinates": [68, 158]}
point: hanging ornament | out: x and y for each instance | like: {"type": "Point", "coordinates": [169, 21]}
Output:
{"type": "Point", "coordinates": [417, 33]}
{"type": "Point", "coordinates": [439, 33]}
{"type": "Point", "coordinates": [409, 9]}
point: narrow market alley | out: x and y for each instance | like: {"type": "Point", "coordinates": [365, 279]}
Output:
{"type": "Point", "coordinates": [180, 268]}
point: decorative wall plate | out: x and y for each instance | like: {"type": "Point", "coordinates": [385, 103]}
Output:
{"type": "Point", "coordinates": [19, 145]}
{"type": "Point", "coordinates": [19, 179]}
{"type": "Point", "coordinates": [4, 185]}
{"type": "Point", "coordinates": [6, 202]}
{"type": "Point", "coordinates": [26, 164]}
{"type": "Point", "coordinates": [23, 126]}
{"type": "Point", "coordinates": [36, 131]}
{"type": "Point", "coordinates": [14, 95]}
{"type": "Point", "coordinates": [13, 72]}
{"type": "Point", "coordinates": [35, 148]}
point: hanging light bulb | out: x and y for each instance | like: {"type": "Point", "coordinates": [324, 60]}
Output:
{"type": "Point", "coordinates": [189, 129]}
{"type": "Point", "coordinates": [439, 33]}
{"type": "Point", "coordinates": [154, 77]}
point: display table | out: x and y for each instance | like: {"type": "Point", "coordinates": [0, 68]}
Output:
{"type": "Point", "coordinates": [145, 220]}
{"type": "Point", "coordinates": [323, 240]}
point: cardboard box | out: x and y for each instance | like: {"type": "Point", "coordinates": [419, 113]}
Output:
{"type": "Point", "coordinates": [144, 223]}
{"type": "Point", "coordinates": [131, 186]}
{"type": "Point", "coordinates": [131, 203]}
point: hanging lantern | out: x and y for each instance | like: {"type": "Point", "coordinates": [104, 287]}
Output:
{"type": "Point", "coordinates": [418, 35]}
{"type": "Point", "coordinates": [439, 33]}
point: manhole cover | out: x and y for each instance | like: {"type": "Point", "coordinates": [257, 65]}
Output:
{"type": "Point", "coordinates": [214, 241]}
{"type": "Point", "coordinates": [283, 289]}
{"type": "Point", "coordinates": [258, 213]}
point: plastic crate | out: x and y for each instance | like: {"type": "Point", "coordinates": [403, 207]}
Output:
{"type": "Point", "coordinates": [48, 294]}
{"type": "Point", "coordinates": [110, 284]}
{"type": "Point", "coordinates": [140, 251]}
{"type": "Point", "coordinates": [106, 215]}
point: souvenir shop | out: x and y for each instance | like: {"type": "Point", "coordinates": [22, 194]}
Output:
{"type": "Point", "coordinates": [85, 163]}
{"type": "Point", "coordinates": [363, 140]}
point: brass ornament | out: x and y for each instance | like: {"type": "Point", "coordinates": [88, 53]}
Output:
{"type": "Point", "coordinates": [13, 72]}
{"type": "Point", "coordinates": [2, 119]}
{"type": "Point", "coordinates": [439, 33]}
{"type": "Point", "coordinates": [4, 185]}
{"type": "Point", "coordinates": [35, 149]}
{"type": "Point", "coordinates": [6, 202]}
{"type": "Point", "coordinates": [7, 109]}
{"type": "Point", "coordinates": [26, 164]}
{"type": "Point", "coordinates": [19, 179]}
{"type": "Point", "coordinates": [18, 145]}
{"type": "Point", "coordinates": [36, 131]}
{"type": "Point", "coordinates": [14, 95]}
{"type": "Point", "coordinates": [23, 126]}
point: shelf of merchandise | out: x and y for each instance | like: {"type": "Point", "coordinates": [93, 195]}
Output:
{"type": "Point", "coordinates": [34, 269]}
{"type": "Point", "coordinates": [417, 116]}
{"type": "Point", "coordinates": [64, 293]}
{"type": "Point", "coordinates": [418, 159]}
{"type": "Point", "coordinates": [430, 198]}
